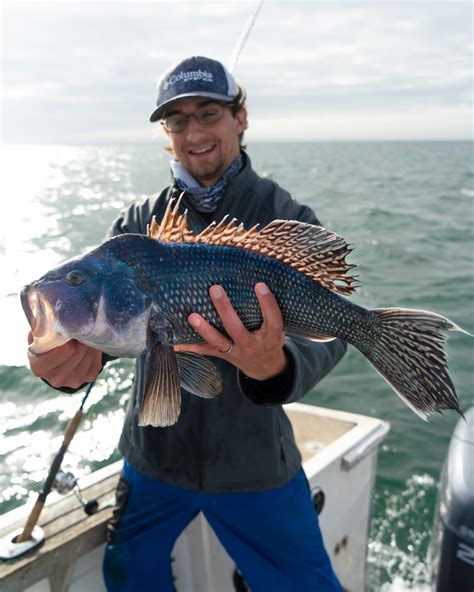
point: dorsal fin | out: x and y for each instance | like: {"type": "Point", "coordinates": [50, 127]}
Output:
{"type": "Point", "coordinates": [174, 226]}
{"type": "Point", "coordinates": [313, 250]}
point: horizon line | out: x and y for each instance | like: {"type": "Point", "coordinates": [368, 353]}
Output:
{"type": "Point", "coordinates": [260, 141]}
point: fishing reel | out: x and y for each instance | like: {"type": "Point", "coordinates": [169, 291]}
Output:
{"type": "Point", "coordinates": [65, 481]}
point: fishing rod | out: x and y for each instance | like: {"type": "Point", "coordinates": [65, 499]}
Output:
{"type": "Point", "coordinates": [30, 527]}
{"type": "Point", "coordinates": [243, 38]}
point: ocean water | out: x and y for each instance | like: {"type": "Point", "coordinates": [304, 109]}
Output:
{"type": "Point", "coordinates": [406, 208]}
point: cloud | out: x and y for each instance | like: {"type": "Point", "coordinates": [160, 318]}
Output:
{"type": "Point", "coordinates": [84, 69]}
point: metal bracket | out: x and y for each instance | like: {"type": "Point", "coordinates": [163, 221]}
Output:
{"type": "Point", "coordinates": [9, 549]}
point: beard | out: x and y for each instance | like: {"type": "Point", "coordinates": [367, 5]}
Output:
{"type": "Point", "coordinates": [208, 171]}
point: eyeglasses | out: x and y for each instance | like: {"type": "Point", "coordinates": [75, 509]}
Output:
{"type": "Point", "coordinates": [207, 115]}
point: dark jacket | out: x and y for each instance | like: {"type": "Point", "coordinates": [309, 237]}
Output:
{"type": "Point", "coordinates": [242, 440]}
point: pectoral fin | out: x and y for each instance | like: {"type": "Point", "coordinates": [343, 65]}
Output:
{"type": "Point", "coordinates": [162, 401]}
{"type": "Point", "coordinates": [199, 375]}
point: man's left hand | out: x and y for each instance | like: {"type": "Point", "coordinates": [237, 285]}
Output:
{"type": "Point", "coordinates": [258, 354]}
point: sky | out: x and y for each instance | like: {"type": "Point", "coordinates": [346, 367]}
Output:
{"type": "Point", "coordinates": [86, 72]}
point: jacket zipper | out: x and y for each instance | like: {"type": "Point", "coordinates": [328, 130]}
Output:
{"type": "Point", "coordinates": [197, 223]}
{"type": "Point", "coordinates": [281, 441]}
{"type": "Point", "coordinates": [200, 449]}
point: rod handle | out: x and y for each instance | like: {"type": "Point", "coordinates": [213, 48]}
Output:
{"type": "Point", "coordinates": [31, 522]}
{"type": "Point", "coordinates": [71, 428]}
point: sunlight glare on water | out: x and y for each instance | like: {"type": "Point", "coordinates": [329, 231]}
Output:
{"type": "Point", "coordinates": [26, 171]}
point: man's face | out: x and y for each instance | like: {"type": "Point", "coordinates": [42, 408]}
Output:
{"type": "Point", "coordinates": [206, 151]}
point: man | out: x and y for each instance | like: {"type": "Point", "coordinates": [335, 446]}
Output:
{"type": "Point", "coordinates": [233, 458]}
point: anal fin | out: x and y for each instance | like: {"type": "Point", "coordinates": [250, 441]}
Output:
{"type": "Point", "coordinates": [311, 334]}
{"type": "Point", "coordinates": [321, 338]}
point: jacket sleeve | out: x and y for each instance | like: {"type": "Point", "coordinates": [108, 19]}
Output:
{"type": "Point", "coordinates": [308, 361]}
{"type": "Point", "coordinates": [308, 364]}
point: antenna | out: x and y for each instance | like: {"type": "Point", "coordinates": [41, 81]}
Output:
{"type": "Point", "coordinates": [243, 38]}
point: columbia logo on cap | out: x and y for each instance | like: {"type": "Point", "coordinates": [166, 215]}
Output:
{"type": "Point", "coordinates": [186, 76]}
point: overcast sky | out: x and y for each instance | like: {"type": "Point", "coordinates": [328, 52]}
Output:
{"type": "Point", "coordinates": [83, 72]}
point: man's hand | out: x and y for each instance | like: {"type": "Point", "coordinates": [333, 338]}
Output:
{"type": "Point", "coordinates": [258, 354]}
{"type": "Point", "coordinates": [71, 364]}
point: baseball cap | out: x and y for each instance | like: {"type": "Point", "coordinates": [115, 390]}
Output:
{"type": "Point", "coordinates": [194, 77]}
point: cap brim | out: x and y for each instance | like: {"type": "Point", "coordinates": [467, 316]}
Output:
{"type": "Point", "coordinates": [159, 112]}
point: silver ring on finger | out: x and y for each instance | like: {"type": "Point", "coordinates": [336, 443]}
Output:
{"type": "Point", "coordinates": [229, 349]}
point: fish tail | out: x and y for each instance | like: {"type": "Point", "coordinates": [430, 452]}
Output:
{"type": "Point", "coordinates": [409, 354]}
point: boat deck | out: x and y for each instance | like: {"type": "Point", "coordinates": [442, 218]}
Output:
{"type": "Point", "coordinates": [315, 432]}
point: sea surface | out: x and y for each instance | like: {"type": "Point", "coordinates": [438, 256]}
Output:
{"type": "Point", "coordinates": [407, 210]}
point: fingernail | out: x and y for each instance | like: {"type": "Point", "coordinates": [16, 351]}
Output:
{"type": "Point", "coordinates": [194, 321]}
{"type": "Point", "coordinates": [216, 292]}
{"type": "Point", "coordinates": [262, 289]}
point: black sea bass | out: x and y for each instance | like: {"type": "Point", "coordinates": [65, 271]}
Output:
{"type": "Point", "coordinates": [134, 293]}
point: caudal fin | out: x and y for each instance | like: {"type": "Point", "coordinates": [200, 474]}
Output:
{"type": "Point", "coordinates": [409, 354]}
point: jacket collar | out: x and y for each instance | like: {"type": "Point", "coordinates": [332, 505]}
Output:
{"type": "Point", "coordinates": [238, 198]}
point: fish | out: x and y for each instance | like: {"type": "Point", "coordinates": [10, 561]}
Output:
{"type": "Point", "coordinates": [133, 294]}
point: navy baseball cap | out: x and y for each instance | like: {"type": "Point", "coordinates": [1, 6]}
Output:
{"type": "Point", "coordinates": [194, 77]}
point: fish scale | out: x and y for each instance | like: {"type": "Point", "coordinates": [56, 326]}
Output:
{"type": "Point", "coordinates": [196, 269]}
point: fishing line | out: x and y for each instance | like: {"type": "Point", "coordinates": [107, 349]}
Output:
{"type": "Point", "coordinates": [243, 38]}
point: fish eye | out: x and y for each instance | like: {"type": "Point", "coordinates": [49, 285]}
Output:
{"type": "Point", "coordinates": [74, 278]}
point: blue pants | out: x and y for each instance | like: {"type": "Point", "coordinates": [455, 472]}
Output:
{"type": "Point", "coordinates": [273, 536]}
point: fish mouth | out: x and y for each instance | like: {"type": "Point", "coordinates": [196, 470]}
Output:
{"type": "Point", "coordinates": [42, 320]}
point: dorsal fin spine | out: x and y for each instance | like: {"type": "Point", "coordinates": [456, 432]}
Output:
{"type": "Point", "coordinates": [312, 250]}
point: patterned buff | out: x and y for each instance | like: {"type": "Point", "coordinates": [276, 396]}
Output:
{"type": "Point", "coordinates": [204, 199]}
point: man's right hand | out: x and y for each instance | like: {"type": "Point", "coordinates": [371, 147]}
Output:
{"type": "Point", "coordinates": [71, 364]}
